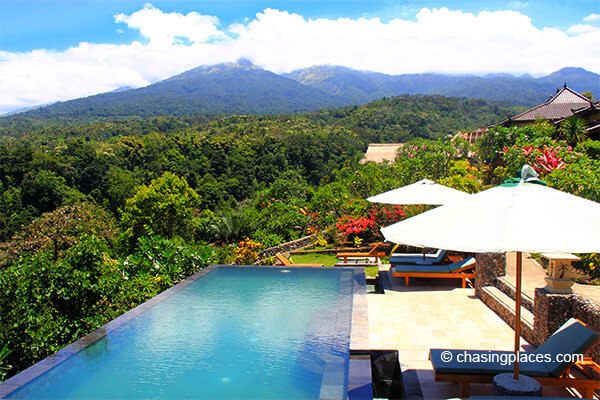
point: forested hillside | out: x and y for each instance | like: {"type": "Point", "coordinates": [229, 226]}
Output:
{"type": "Point", "coordinates": [226, 160]}
{"type": "Point", "coordinates": [96, 218]}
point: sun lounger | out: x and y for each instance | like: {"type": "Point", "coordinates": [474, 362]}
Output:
{"type": "Point", "coordinates": [361, 255]}
{"type": "Point", "coordinates": [285, 262]}
{"type": "Point", "coordinates": [570, 339]}
{"type": "Point", "coordinates": [461, 269]}
{"type": "Point", "coordinates": [416, 258]}
{"type": "Point", "coordinates": [359, 262]}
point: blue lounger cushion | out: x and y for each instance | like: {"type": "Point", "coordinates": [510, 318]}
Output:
{"type": "Point", "coordinates": [438, 253]}
{"type": "Point", "coordinates": [571, 338]}
{"type": "Point", "coordinates": [399, 258]}
{"type": "Point", "coordinates": [435, 268]}
{"type": "Point", "coordinates": [459, 364]}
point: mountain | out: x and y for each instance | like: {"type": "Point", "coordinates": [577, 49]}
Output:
{"type": "Point", "coordinates": [233, 88]}
{"type": "Point", "coordinates": [577, 79]}
{"type": "Point", "coordinates": [242, 88]}
{"type": "Point", "coordinates": [364, 86]}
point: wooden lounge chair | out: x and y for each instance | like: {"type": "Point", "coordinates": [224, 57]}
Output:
{"type": "Point", "coordinates": [373, 253]}
{"type": "Point", "coordinates": [285, 262]}
{"type": "Point", "coordinates": [570, 339]}
{"type": "Point", "coordinates": [416, 258]}
{"type": "Point", "coordinates": [463, 269]}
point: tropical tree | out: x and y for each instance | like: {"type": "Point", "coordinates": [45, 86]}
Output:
{"type": "Point", "coordinates": [165, 208]}
{"type": "Point", "coordinates": [572, 130]}
{"type": "Point", "coordinates": [57, 231]}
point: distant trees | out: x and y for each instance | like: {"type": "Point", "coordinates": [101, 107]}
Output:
{"type": "Point", "coordinates": [588, 94]}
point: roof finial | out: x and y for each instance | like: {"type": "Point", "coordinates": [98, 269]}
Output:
{"type": "Point", "coordinates": [564, 87]}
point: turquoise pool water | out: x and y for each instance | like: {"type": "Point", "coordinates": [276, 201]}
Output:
{"type": "Point", "coordinates": [235, 333]}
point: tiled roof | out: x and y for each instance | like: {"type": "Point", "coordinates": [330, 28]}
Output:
{"type": "Point", "coordinates": [562, 105]}
{"type": "Point", "coordinates": [593, 128]}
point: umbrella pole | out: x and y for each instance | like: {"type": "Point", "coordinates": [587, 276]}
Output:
{"type": "Point", "coordinates": [518, 315]}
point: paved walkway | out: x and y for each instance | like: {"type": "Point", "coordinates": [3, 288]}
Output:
{"type": "Point", "coordinates": [534, 274]}
{"type": "Point", "coordinates": [437, 313]}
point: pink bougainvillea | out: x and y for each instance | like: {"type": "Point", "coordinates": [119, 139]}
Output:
{"type": "Point", "coordinates": [350, 225]}
{"type": "Point", "coordinates": [368, 227]}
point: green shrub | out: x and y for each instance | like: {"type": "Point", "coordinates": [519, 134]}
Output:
{"type": "Point", "coordinates": [591, 148]}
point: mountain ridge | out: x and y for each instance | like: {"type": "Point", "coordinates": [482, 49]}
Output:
{"type": "Point", "coordinates": [244, 88]}
{"type": "Point", "coordinates": [525, 90]}
{"type": "Point", "coordinates": [231, 88]}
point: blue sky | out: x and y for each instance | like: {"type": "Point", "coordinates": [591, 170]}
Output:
{"type": "Point", "coordinates": [58, 24]}
{"type": "Point", "coordinates": [57, 50]}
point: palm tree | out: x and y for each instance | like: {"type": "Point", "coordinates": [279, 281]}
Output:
{"type": "Point", "coordinates": [572, 130]}
{"type": "Point", "coordinates": [230, 228]}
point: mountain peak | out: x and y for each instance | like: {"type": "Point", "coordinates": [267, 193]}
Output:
{"type": "Point", "coordinates": [245, 63]}
{"type": "Point", "coordinates": [242, 64]}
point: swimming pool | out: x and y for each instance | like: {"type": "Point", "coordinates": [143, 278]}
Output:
{"type": "Point", "coordinates": [225, 333]}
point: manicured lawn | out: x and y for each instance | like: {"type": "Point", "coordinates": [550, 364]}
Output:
{"type": "Point", "coordinates": [314, 258]}
{"type": "Point", "coordinates": [327, 260]}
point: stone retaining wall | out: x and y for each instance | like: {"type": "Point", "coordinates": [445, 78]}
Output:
{"type": "Point", "coordinates": [510, 290]}
{"type": "Point", "coordinates": [285, 248]}
{"type": "Point", "coordinates": [553, 310]}
{"type": "Point", "coordinates": [589, 313]}
{"type": "Point", "coordinates": [489, 266]}
{"type": "Point", "coordinates": [550, 310]}
{"type": "Point", "coordinates": [507, 315]}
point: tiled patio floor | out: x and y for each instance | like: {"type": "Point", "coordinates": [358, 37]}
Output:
{"type": "Point", "coordinates": [436, 313]}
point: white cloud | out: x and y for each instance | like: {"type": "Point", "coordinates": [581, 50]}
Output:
{"type": "Point", "coordinates": [582, 28]}
{"type": "Point", "coordinates": [517, 4]}
{"type": "Point", "coordinates": [592, 18]}
{"type": "Point", "coordinates": [439, 40]}
{"type": "Point", "coordinates": [165, 28]}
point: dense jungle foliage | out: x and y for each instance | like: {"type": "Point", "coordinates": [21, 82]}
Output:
{"type": "Point", "coordinates": [96, 219]}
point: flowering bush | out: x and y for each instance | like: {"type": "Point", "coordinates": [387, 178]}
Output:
{"type": "Point", "coordinates": [543, 159]}
{"type": "Point", "coordinates": [349, 226]}
{"type": "Point", "coordinates": [384, 215]}
{"type": "Point", "coordinates": [368, 227]}
{"type": "Point", "coordinates": [589, 266]}
{"type": "Point", "coordinates": [548, 159]}
{"type": "Point", "coordinates": [246, 251]}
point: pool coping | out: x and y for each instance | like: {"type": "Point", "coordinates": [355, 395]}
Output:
{"type": "Point", "coordinates": [359, 303]}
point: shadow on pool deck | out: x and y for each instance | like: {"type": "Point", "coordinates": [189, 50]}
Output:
{"type": "Point", "coordinates": [436, 313]}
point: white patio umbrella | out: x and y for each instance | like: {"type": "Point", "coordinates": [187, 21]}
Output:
{"type": "Point", "coordinates": [523, 216]}
{"type": "Point", "coordinates": [421, 192]}
{"type": "Point", "coordinates": [424, 191]}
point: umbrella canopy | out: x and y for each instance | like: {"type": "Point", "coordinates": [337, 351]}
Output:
{"type": "Point", "coordinates": [521, 216]}
{"type": "Point", "coordinates": [421, 192]}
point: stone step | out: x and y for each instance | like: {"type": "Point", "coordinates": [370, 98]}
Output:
{"type": "Point", "coordinates": [504, 306]}
{"type": "Point", "coordinates": [507, 287]}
